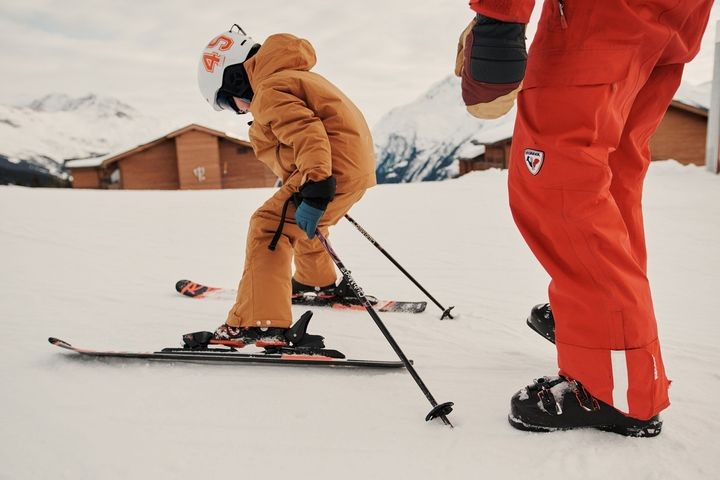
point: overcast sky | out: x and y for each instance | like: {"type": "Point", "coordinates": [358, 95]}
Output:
{"type": "Point", "coordinates": [382, 53]}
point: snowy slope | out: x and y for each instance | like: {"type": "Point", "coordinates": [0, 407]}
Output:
{"type": "Point", "coordinates": [98, 268]}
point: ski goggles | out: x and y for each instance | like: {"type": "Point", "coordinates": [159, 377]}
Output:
{"type": "Point", "coordinates": [226, 101]}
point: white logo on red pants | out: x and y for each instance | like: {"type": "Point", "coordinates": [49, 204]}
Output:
{"type": "Point", "coordinates": [534, 160]}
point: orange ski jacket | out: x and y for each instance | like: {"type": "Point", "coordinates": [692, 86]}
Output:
{"type": "Point", "coordinates": [304, 127]}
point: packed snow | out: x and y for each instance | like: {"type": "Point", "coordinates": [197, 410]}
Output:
{"type": "Point", "coordinates": [97, 268]}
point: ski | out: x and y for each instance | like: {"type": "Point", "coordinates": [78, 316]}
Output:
{"type": "Point", "coordinates": [272, 355]}
{"type": "Point", "coordinates": [195, 290]}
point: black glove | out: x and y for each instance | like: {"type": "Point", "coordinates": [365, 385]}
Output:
{"type": "Point", "coordinates": [498, 52]}
{"type": "Point", "coordinates": [312, 202]}
{"type": "Point", "coordinates": [491, 60]}
{"type": "Point", "coordinates": [317, 194]}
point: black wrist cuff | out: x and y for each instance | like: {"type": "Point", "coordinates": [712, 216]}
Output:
{"type": "Point", "coordinates": [482, 19]}
{"type": "Point", "coordinates": [319, 194]}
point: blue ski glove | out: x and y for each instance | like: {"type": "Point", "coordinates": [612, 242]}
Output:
{"type": "Point", "coordinates": [307, 218]}
{"type": "Point", "coordinates": [312, 200]}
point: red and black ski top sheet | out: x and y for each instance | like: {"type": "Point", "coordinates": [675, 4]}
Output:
{"type": "Point", "coordinates": [273, 355]}
{"type": "Point", "coordinates": [197, 290]}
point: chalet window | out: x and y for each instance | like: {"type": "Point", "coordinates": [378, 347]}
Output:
{"type": "Point", "coordinates": [115, 177]}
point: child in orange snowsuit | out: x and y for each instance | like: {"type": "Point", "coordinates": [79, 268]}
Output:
{"type": "Point", "coordinates": [316, 141]}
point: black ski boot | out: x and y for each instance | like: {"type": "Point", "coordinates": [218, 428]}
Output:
{"type": "Point", "coordinates": [346, 295]}
{"type": "Point", "coordinates": [542, 321]}
{"type": "Point", "coordinates": [559, 403]}
{"type": "Point", "coordinates": [341, 293]}
{"type": "Point", "coordinates": [300, 290]}
{"type": "Point", "coordinates": [294, 338]}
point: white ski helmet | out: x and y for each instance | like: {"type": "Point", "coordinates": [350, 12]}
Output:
{"type": "Point", "coordinates": [225, 50]}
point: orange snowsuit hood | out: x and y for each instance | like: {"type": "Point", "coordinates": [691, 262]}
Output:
{"type": "Point", "coordinates": [280, 52]}
{"type": "Point", "coordinates": [304, 127]}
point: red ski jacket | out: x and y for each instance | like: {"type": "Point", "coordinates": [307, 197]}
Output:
{"type": "Point", "coordinates": [506, 10]}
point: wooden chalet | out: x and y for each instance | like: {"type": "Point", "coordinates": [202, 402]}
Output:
{"type": "Point", "coordinates": [489, 149]}
{"type": "Point", "coordinates": [681, 135]}
{"type": "Point", "coordinates": [191, 158]}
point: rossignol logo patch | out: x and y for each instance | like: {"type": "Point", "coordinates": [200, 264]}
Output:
{"type": "Point", "coordinates": [534, 160]}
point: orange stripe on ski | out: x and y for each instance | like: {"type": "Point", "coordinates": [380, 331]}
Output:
{"type": "Point", "coordinates": [239, 344]}
{"type": "Point", "coordinates": [190, 289]}
{"type": "Point", "coordinates": [340, 306]}
{"type": "Point", "coordinates": [305, 357]}
{"type": "Point", "coordinates": [228, 343]}
{"type": "Point", "coordinates": [381, 306]}
{"type": "Point", "coordinates": [270, 344]}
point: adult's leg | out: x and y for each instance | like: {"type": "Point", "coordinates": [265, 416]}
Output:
{"type": "Point", "coordinates": [580, 91]}
{"type": "Point", "coordinates": [606, 332]}
{"type": "Point", "coordinates": [630, 161]}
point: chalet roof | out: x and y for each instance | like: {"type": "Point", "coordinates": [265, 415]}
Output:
{"type": "Point", "coordinates": [489, 135]}
{"type": "Point", "coordinates": [703, 112]}
{"type": "Point", "coordinates": [470, 150]}
{"type": "Point", "coordinates": [697, 96]}
{"type": "Point", "coordinates": [109, 159]}
{"type": "Point", "coordinates": [85, 162]}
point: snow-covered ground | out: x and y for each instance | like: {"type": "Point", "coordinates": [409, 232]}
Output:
{"type": "Point", "coordinates": [98, 268]}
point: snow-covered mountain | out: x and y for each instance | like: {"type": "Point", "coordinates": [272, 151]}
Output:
{"type": "Point", "coordinates": [57, 127]}
{"type": "Point", "coordinates": [421, 140]}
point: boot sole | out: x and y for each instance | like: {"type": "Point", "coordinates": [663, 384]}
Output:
{"type": "Point", "coordinates": [645, 431]}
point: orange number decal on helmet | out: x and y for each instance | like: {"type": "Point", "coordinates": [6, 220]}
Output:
{"type": "Point", "coordinates": [211, 60]}
{"type": "Point", "coordinates": [226, 41]}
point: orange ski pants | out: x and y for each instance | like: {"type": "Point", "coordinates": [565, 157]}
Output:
{"type": "Point", "coordinates": [597, 85]}
{"type": "Point", "coordinates": [265, 290]}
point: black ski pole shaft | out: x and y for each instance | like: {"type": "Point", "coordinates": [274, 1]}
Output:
{"type": "Point", "coordinates": [441, 410]}
{"type": "Point", "coordinates": [446, 311]}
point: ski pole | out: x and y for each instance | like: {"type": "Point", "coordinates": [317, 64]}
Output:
{"type": "Point", "coordinates": [446, 311]}
{"type": "Point", "coordinates": [441, 410]}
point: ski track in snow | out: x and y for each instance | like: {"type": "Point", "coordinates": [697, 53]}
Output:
{"type": "Point", "coordinates": [98, 268]}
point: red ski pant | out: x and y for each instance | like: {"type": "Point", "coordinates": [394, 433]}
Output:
{"type": "Point", "coordinates": [596, 87]}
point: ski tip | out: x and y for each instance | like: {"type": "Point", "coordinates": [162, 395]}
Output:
{"type": "Point", "coordinates": [58, 342]}
{"type": "Point", "coordinates": [181, 284]}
